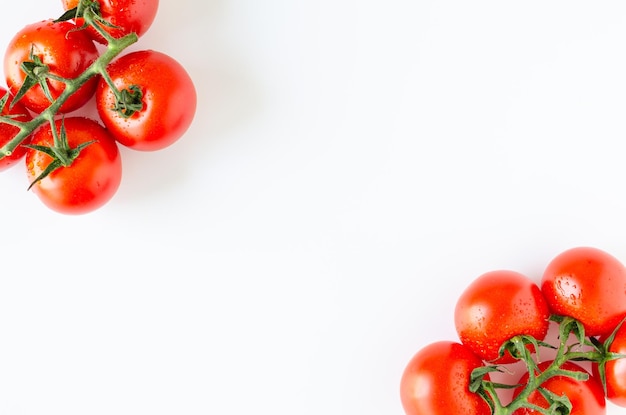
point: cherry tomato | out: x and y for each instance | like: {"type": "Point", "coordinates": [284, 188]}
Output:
{"type": "Point", "coordinates": [127, 16]}
{"type": "Point", "coordinates": [169, 100]}
{"type": "Point", "coordinates": [90, 181]}
{"type": "Point", "coordinates": [589, 285]}
{"type": "Point", "coordinates": [497, 306]}
{"type": "Point", "coordinates": [586, 397]}
{"type": "Point", "coordinates": [436, 382]}
{"type": "Point", "coordinates": [7, 132]}
{"type": "Point", "coordinates": [615, 370]}
{"type": "Point", "coordinates": [66, 53]}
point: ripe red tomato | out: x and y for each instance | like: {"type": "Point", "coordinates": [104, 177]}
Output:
{"type": "Point", "coordinates": [90, 181]}
{"type": "Point", "coordinates": [169, 100]}
{"type": "Point", "coordinates": [436, 382]}
{"type": "Point", "coordinates": [64, 50]}
{"type": "Point", "coordinates": [589, 285]}
{"type": "Point", "coordinates": [586, 397]}
{"type": "Point", "coordinates": [497, 306]}
{"type": "Point", "coordinates": [8, 132]}
{"type": "Point", "coordinates": [127, 16]}
{"type": "Point", "coordinates": [615, 370]}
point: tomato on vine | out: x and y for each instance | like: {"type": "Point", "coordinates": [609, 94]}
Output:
{"type": "Point", "coordinates": [586, 397]}
{"type": "Point", "coordinates": [497, 306]}
{"type": "Point", "coordinates": [75, 168]}
{"type": "Point", "coordinates": [147, 101]}
{"type": "Point", "coordinates": [436, 382]}
{"type": "Point", "coordinates": [117, 17]}
{"type": "Point", "coordinates": [41, 57]}
{"type": "Point", "coordinates": [589, 285]}
{"type": "Point", "coordinates": [7, 131]}
{"type": "Point", "coordinates": [503, 317]}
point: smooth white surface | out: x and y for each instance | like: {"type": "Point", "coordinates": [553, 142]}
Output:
{"type": "Point", "coordinates": [352, 167]}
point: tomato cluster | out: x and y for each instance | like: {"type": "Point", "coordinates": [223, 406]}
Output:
{"type": "Point", "coordinates": [145, 100]}
{"type": "Point", "coordinates": [503, 317]}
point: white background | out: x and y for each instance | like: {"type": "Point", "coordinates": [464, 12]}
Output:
{"type": "Point", "coordinates": [353, 165]}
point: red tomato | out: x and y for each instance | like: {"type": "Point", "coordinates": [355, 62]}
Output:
{"type": "Point", "coordinates": [586, 397]}
{"type": "Point", "coordinates": [436, 382]}
{"type": "Point", "coordinates": [497, 306]}
{"type": "Point", "coordinates": [90, 181]}
{"type": "Point", "coordinates": [8, 132]}
{"type": "Point", "coordinates": [169, 100]}
{"type": "Point", "coordinates": [589, 285]}
{"type": "Point", "coordinates": [615, 370]}
{"type": "Point", "coordinates": [65, 51]}
{"type": "Point", "coordinates": [127, 16]}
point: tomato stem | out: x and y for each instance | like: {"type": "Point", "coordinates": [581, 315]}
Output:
{"type": "Point", "coordinates": [90, 11]}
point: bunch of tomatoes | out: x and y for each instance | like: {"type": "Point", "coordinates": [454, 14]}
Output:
{"type": "Point", "coordinates": [503, 319]}
{"type": "Point", "coordinates": [145, 100]}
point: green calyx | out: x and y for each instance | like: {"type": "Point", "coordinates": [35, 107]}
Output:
{"type": "Point", "coordinates": [89, 10]}
{"type": "Point", "coordinates": [37, 73]}
{"type": "Point", "coordinates": [129, 101]}
{"type": "Point", "coordinates": [605, 355]}
{"type": "Point", "coordinates": [61, 153]}
{"type": "Point", "coordinates": [526, 348]}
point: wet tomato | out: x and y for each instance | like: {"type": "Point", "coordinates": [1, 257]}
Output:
{"type": "Point", "coordinates": [497, 306]}
{"type": "Point", "coordinates": [166, 99]}
{"type": "Point", "coordinates": [589, 285]}
{"type": "Point", "coordinates": [122, 16]}
{"type": "Point", "coordinates": [92, 178]}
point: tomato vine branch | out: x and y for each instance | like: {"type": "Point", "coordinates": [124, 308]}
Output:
{"type": "Point", "coordinates": [521, 348]}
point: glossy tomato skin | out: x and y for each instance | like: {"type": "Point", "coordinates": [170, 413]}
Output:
{"type": "Point", "coordinates": [90, 181]}
{"type": "Point", "coordinates": [497, 306]}
{"type": "Point", "coordinates": [436, 382]}
{"type": "Point", "coordinates": [586, 397]}
{"type": "Point", "coordinates": [128, 16]}
{"type": "Point", "coordinates": [8, 132]}
{"type": "Point", "coordinates": [589, 285]}
{"type": "Point", "coordinates": [169, 100]}
{"type": "Point", "coordinates": [66, 51]}
{"type": "Point", "coordinates": [615, 370]}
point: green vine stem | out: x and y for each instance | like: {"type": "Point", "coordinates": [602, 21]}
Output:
{"type": "Point", "coordinates": [585, 349]}
{"type": "Point", "coordinates": [114, 47]}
